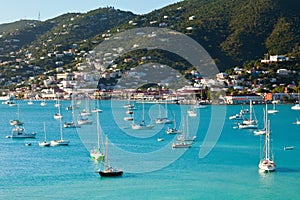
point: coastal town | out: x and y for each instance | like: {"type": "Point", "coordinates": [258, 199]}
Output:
{"type": "Point", "coordinates": [23, 76]}
{"type": "Point", "coordinates": [64, 83]}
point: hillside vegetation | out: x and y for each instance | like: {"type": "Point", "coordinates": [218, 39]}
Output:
{"type": "Point", "coordinates": [234, 32]}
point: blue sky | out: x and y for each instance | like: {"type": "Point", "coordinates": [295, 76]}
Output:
{"type": "Point", "coordinates": [14, 10]}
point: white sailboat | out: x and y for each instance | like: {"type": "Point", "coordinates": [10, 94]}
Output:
{"type": "Point", "coordinates": [182, 141]}
{"type": "Point", "coordinates": [96, 153]}
{"type": "Point", "coordinates": [96, 109]}
{"type": "Point", "coordinates": [173, 130]}
{"type": "Point", "coordinates": [43, 103]}
{"type": "Point", "coordinates": [58, 115]}
{"type": "Point", "coordinates": [17, 121]}
{"type": "Point", "coordinates": [108, 170]}
{"type": "Point", "coordinates": [142, 125]}
{"type": "Point", "coordinates": [297, 106]}
{"type": "Point", "coordinates": [274, 110]}
{"type": "Point", "coordinates": [30, 102]}
{"type": "Point", "coordinates": [44, 143]}
{"type": "Point", "coordinates": [267, 163]}
{"type": "Point", "coordinates": [163, 120]}
{"type": "Point", "coordinates": [250, 123]}
{"type": "Point", "coordinates": [297, 121]}
{"type": "Point", "coordinates": [57, 104]}
{"type": "Point", "coordinates": [61, 141]}
{"type": "Point", "coordinates": [191, 112]}
{"type": "Point", "coordinates": [263, 130]}
{"type": "Point", "coordinates": [86, 111]}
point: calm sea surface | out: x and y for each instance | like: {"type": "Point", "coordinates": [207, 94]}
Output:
{"type": "Point", "coordinates": [152, 169]}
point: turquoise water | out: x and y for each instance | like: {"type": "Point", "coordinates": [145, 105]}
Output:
{"type": "Point", "coordinates": [229, 171]}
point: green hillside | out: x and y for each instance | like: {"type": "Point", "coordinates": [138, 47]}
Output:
{"type": "Point", "coordinates": [234, 31]}
{"type": "Point", "coordinates": [18, 25]}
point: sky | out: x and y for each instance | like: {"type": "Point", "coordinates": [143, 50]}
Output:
{"type": "Point", "coordinates": [14, 10]}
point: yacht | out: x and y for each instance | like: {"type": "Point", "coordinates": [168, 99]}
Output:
{"type": "Point", "coordinates": [61, 141]}
{"type": "Point", "coordinates": [108, 170]}
{"type": "Point", "coordinates": [250, 123]}
{"type": "Point", "coordinates": [19, 132]}
{"type": "Point", "coordinates": [44, 143]}
{"type": "Point", "coordinates": [267, 164]}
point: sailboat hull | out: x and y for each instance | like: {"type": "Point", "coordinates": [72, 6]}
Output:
{"type": "Point", "coordinates": [110, 174]}
{"type": "Point", "coordinates": [141, 127]}
{"type": "Point", "coordinates": [44, 144]}
{"type": "Point", "coordinates": [60, 142]}
{"type": "Point", "coordinates": [296, 107]}
{"type": "Point", "coordinates": [267, 166]}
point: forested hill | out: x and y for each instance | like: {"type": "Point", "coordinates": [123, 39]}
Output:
{"type": "Point", "coordinates": [234, 31]}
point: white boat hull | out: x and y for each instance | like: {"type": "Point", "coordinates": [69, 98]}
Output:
{"type": "Point", "coordinates": [272, 111]}
{"type": "Point", "coordinates": [44, 144]}
{"type": "Point", "coordinates": [296, 107]}
{"type": "Point", "coordinates": [173, 131]}
{"type": "Point", "coordinates": [267, 165]}
{"type": "Point", "coordinates": [248, 126]}
{"type": "Point", "coordinates": [141, 127]}
{"type": "Point", "coordinates": [60, 142]}
{"type": "Point", "coordinates": [259, 132]}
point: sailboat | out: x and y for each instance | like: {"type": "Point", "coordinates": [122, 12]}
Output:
{"type": "Point", "coordinates": [95, 153]}
{"type": "Point", "coordinates": [163, 120]}
{"type": "Point", "coordinates": [297, 106]}
{"type": "Point", "coordinates": [297, 121]}
{"type": "Point", "coordinates": [43, 103]}
{"type": "Point", "coordinates": [108, 170]}
{"type": "Point", "coordinates": [30, 102]}
{"type": "Point", "coordinates": [16, 121]}
{"type": "Point", "coordinates": [86, 111]}
{"type": "Point", "coordinates": [57, 104]}
{"type": "Point", "coordinates": [142, 125]}
{"type": "Point", "coordinates": [267, 164]}
{"type": "Point", "coordinates": [173, 130]}
{"type": "Point", "coordinates": [250, 123]}
{"type": "Point", "coordinates": [274, 110]}
{"type": "Point", "coordinates": [191, 112]}
{"type": "Point", "coordinates": [61, 141]}
{"type": "Point", "coordinates": [96, 109]}
{"type": "Point", "coordinates": [263, 130]}
{"type": "Point", "coordinates": [182, 140]}
{"type": "Point", "coordinates": [44, 143]}
{"type": "Point", "coordinates": [58, 115]}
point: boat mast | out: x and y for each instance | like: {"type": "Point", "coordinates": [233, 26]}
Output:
{"type": "Point", "coordinates": [267, 142]}
{"type": "Point", "coordinates": [60, 126]}
{"type": "Point", "coordinates": [98, 130]}
{"type": "Point", "coordinates": [106, 153]}
{"type": "Point", "coordinates": [250, 111]}
{"type": "Point", "coordinates": [45, 137]}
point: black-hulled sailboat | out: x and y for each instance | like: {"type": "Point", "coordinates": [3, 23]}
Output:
{"type": "Point", "coordinates": [108, 170]}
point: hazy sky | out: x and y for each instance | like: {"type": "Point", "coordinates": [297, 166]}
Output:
{"type": "Point", "coordinates": [14, 10]}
